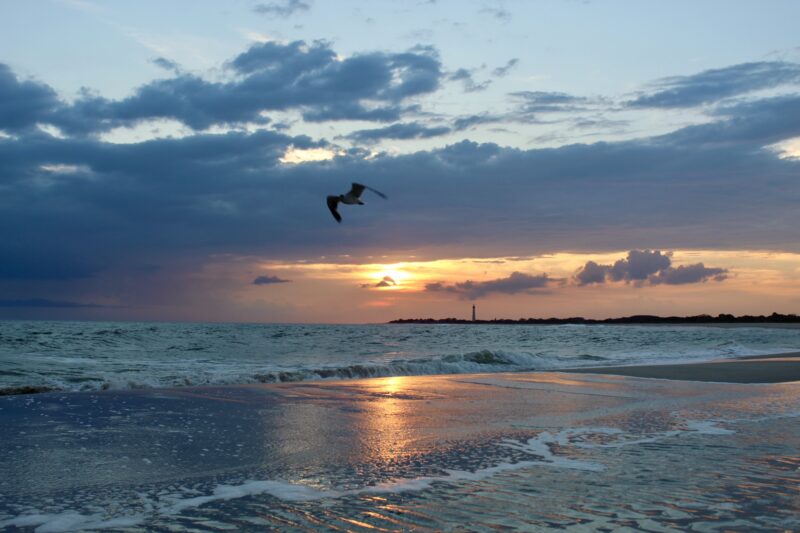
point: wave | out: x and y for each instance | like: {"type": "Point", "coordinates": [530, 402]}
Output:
{"type": "Point", "coordinates": [483, 361]}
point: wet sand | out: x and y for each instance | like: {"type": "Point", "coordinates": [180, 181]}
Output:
{"type": "Point", "coordinates": [527, 451]}
{"type": "Point", "coordinates": [780, 368]}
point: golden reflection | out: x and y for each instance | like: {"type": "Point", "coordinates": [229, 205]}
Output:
{"type": "Point", "coordinates": [388, 419]}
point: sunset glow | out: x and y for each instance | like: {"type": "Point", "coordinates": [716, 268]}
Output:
{"type": "Point", "coordinates": [183, 173]}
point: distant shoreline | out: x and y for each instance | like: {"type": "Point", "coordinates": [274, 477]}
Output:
{"type": "Point", "coordinates": [775, 319]}
{"type": "Point", "coordinates": [778, 368]}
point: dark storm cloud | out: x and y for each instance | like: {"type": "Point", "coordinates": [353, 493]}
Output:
{"type": "Point", "coordinates": [269, 280]}
{"type": "Point", "coordinates": [505, 69]}
{"type": "Point", "coordinates": [272, 77]}
{"type": "Point", "coordinates": [45, 303]}
{"type": "Point", "coordinates": [410, 130]}
{"type": "Point", "coordinates": [19, 261]}
{"type": "Point", "coordinates": [716, 84]}
{"type": "Point", "coordinates": [177, 202]}
{"type": "Point", "coordinates": [517, 282]}
{"type": "Point", "coordinates": [203, 194]}
{"type": "Point", "coordinates": [155, 197]}
{"type": "Point", "coordinates": [23, 103]}
{"type": "Point", "coordinates": [647, 267]}
{"type": "Point", "coordinates": [281, 9]}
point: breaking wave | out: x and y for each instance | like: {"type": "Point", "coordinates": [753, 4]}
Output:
{"type": "Point", "coordinates": [483, 361]}
{"type": "Point", "coordinates": [74, 356]}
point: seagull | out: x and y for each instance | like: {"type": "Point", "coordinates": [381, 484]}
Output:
{"type": "Point", "coordinates": [353, 197]}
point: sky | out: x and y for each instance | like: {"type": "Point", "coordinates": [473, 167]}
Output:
{"type": "Point", "coordinates": [596, 158]}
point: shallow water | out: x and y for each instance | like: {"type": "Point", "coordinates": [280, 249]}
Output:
{"type": "Point", "coordinates": [472, 452]}
{"type": "Point", "coordinates": [76, 356]}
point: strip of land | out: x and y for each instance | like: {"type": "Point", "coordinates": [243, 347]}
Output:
{"type": "Point", "coordinates": [780, 368]}
{"type": "Point", "coordinates": [773, 320]}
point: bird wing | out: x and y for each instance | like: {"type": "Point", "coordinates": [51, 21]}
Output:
{"type": "Point", "coordinates": [333, 202]}
{"type": "Point", "coordinates": [357, 189]}
{"type": "Point", "coordinates": [379, 193]}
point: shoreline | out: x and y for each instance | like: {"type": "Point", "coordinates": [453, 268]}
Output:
{"type": "Point", "coordinates": [775, 319]}
{"type": "Point", "coordinates": [752, 369]}
{"type": "Point", "coordinates": [748, 369]}
{"type": "Point", "coordinates": [322, 455]}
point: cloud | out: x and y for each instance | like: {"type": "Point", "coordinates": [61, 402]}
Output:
{"type": "Point", "coordinates": [713, 85]}
{"type": "Point", "coordinates": [756, 123]}
{"type": "Point", "coordinates": [496, 12]}
{"type": "Point", "coordinates": [283, 9]}
{"type": "Point", "coordinates": [44, 303]}
{"type": "Point", "coordinates": [470, 85]}
{"type": "Point", "coordinates": [19, 261]}
{"type": "Point", "coordinates": [688, 274]}
{"type": "Point", "coordinates": [529, 104]}
{"type": "Point", "coordinates": [548, 102]}
{"type": "Point", "coordinates": [409, 130]}
{"type": "Point", "coordinates": [269, 77]}
{"type": "Point", "coordinates": [591, 272]}
{"type": "Point", "coordinates": [158, 201]}
{"type": "Point", "coordinates": [517, 282]}
{"type": "Point", "coordinates": [23, 103]}
{"type": "Point", "coordinates": [711, 186]}
{"type": "Point", "coordinates": [269, 280]}
{"type": "Point", "coordinates": [356, 111]}
{"type": "Point", "coordinates": [166, 64]}
{"type": "Point", "coordinates": [647, 267]}
{"type": "Point", "coordinates": [469, 121]}
{"type": "Point", "coordinates": [387, 281]}
{"type": "Point", "coordinates": [639, 265]}
{"type": "Point", "coordinates": [505, 69]}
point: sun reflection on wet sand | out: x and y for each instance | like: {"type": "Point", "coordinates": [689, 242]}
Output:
{"type": "Point", "coordinates": [387, 420]}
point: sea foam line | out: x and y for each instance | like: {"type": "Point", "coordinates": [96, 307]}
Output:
{"type": "Point", "coordinates": [540, 446]}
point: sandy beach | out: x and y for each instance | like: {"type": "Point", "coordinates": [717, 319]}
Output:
{"type": "Point", "coordinates": [778, 368]}
{"type": "Point", "coordinates": [517, 450]}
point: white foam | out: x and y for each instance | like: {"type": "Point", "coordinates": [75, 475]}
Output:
{"type": "Point", "coordinates": [707, 427]}
{"type": "Point", "coordinates": [541, 447]}
{"type": "Point", "coordinates": [70, 521]}
{"type": "Point", "coordinates": [279, 489]}
{"type": "Point", "coordinates": [538, 446]}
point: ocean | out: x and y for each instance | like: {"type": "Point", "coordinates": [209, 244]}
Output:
{"type": "Point", "coordinates": [87, 356]}
{"type": "Point", "coordinates": [127, 442]}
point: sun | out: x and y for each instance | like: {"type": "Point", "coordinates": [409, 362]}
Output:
{"type": "Point", "coordinates": [391, 277]}
{"type": "Point", "coordinates": [397, 275]}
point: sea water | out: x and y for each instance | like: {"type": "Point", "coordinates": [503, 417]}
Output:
{"type": "Point", "coordinates": [81, 356]}
{"type": "Point", "coordinates": [489, 451]}
{"type": "Point", "coordinates": [526, 452]}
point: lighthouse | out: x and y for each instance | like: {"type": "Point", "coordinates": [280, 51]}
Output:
{"type": "Point", "coordinates": [473, 312]}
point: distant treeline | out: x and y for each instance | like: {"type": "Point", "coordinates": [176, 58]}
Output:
{"type": "Point", "coordinates": [774, 318]}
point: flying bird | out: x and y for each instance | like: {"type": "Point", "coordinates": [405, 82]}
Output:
{"type": "Point", "coordinates": [353, 197]}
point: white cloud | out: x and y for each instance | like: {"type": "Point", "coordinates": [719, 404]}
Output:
{"type": "Point", "coordinates": [294, 156]}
